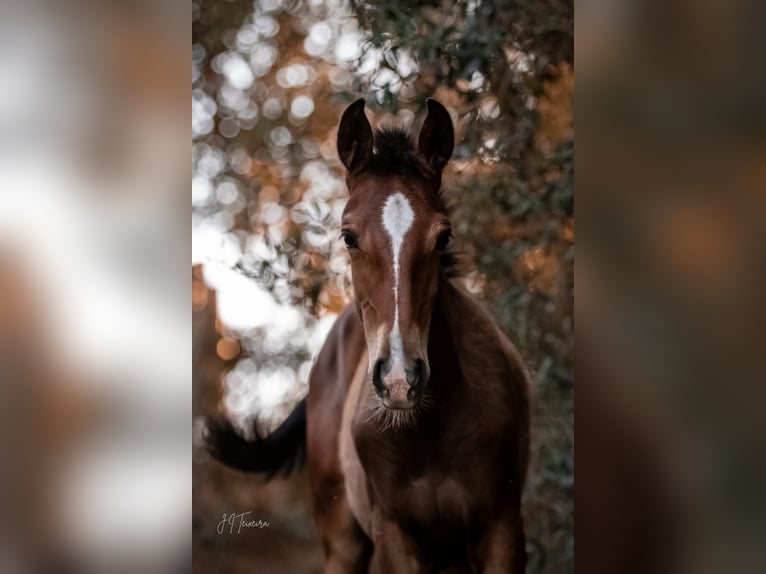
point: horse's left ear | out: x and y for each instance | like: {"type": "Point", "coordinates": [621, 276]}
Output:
{"type": "Point", "coordinates": [437, 138]}
{"type": "Point", "coordinates": [355, 139]}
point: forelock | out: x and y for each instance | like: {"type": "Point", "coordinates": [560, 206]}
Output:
{"type": "Point", "coordinates": [395, 154]}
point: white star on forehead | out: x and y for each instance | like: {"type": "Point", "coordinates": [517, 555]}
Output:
{"type": "Point", "coordinates": [397, 220]}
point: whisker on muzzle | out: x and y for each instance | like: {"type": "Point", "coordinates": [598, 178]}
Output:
{"type": "Point", "coordinates": [396, 419]}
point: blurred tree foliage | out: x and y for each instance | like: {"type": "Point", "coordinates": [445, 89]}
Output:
{"type": "Point", "coordinates": [269, 84]}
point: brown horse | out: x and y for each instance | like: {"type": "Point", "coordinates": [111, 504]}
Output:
{"type": "Point", "coordinates": [416, 424]}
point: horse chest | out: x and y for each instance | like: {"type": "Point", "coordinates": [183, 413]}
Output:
{"type": "Point", "coordinates": [430, 500]}
{"type": "Point", "coordinates": [428, 486]}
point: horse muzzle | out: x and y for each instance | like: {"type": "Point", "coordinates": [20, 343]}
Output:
{"type": "Point", "coordinates": [399, 386]}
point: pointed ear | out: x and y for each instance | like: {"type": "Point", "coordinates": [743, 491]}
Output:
{"type": "Point", "coordinates": [437, 138]}
{"type": "Point", "coordinates": [354, 137]}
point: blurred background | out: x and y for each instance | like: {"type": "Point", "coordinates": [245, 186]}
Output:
{"type": "Point", "coordinates": [671, 159]}
{"type": "Point", "coordinates": [95, 364]}
{"type": "Point", "coordinates": [270, 274]}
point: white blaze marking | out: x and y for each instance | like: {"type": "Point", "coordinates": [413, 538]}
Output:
{"type": "Point", "coordinates": [397, 220]}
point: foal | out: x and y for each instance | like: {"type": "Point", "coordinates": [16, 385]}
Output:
{"type": "Point", "coordinates": [416, 424]}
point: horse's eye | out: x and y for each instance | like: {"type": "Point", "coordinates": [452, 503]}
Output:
{"type": "Point", "coordinates": [443, 240]}
{"type": "Point", "coordinates": [350, 239]}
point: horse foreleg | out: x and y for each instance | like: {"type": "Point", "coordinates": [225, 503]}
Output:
{"type": "Point", "coordinates": [500, 547]}
{"type": "Point", "coordinates": [347, 548]}
{"type": "Point", "coordinates": [394, 551]}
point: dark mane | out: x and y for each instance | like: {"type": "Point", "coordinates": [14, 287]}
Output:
{"type": "Point", "coordinates": [395, 154]}
{"type": "Point", "coordinates": [454, 262]}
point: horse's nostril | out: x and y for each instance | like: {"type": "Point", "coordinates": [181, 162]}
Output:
{"type": "Point", "coordinates": [416, 376]}
{"type": "Point", "coordinates": [377, 377]}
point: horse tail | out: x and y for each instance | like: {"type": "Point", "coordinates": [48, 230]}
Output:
{"type": "Point", "coordinates": [283, 451]}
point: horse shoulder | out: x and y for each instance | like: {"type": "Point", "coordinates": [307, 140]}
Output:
{"type": "Point", "coordinates": [329, 382]}
{"type": "Point", "coordinates": [354, 476]}
{"type": "Point", "coordinates": [493, 369]}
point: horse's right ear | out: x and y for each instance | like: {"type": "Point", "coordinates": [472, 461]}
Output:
{"type": "Point", "coordinates": [437, 137]}
{"type": "Point", "coordinates": [354, 137]}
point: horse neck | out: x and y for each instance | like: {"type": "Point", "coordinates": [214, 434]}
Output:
{"type": "Point", "coordinates": [444, 352]}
